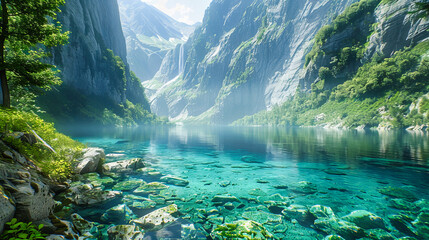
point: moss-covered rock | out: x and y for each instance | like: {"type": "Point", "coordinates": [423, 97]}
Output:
{"type": "Point", "coordinates": [242, 229]}
{"type": "Point", "coordinates": [128, 185]}
{"type": "Point", "coordinates": [152, 187]}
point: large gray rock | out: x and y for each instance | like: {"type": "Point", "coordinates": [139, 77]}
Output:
{"type": "Point", "coordinates": [90, 161]}
{"type": "Point", "coordinates": [7, 210]}
{"type": "Point", "coordinates": [32, 199]}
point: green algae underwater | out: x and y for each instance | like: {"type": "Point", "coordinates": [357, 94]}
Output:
{"type": "Point", "coordinates": [262, 183]}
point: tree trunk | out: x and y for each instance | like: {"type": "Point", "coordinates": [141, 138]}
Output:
{"type": "Point", "coordinates": [3, 35]}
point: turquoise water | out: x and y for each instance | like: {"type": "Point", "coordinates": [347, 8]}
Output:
{"type": "Point", "coordinates": [348, 168]}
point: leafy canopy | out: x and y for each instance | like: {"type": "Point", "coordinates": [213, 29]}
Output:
{"type": "Point", "coordinates": [27, 29]}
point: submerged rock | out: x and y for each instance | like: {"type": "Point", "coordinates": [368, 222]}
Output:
{"type": "Point", "coordinates": [244, 229]}
{"type": "Point", "coordinates": [158, 219]}
{"type": "Point", "coordinates": [119, 213]}
{"type": "Point", "coordinates": [422, 224]}
{"type": "Point", "coordinates": [91, 161]}
{"type": "Point", "coordinates": [322, 212]}
{"type": "Point", "coordinates": [124, 166]}
{"type": "Point", "coordinates": [150, 188]}
{"type": "Point", "coordinates": [173, 180]}
{"type": "Point", "coordinates": [225, 198]}
{"type": "Point", "coordinates": [398, 193]}
{"type": "Point", "coordinates": [82, 225]}
{"type": "Point", "coordinates": [334, 171]}
{"type": "Point", "coordinates": [379, 234]}
{"type": "Point", "coordinates": [94, 196]}
{"type": "Point", "coordinates": [262, 217]}
{"type": "Point", "coordinates": [129, 185]}
{"type": "Point", "coordinates": [274, 200]}
{"type": "Point", "coordinates": [333, 237]}
{"type": "Point", "coordinates": [257, 192]}
{"type": "Point", "coordinates": [300, 213]}
{"type": "Point", "coordinates": [225, 183]}
{"type": "Point", "coordinates": [365, 219]}
{"type": "Point", "coordinates": [345, 229]}
{"type": "Point", "coordinates": [143, 205]}
{"type": "Point", "coordinates": [403, 224]}
{"type": "Point", "coordinates": [125, 232]}
{"type": "Point", "coordinates": [304, 187]}
{"type": "Point", "coordinates": [402, 204]}
{"type": "Point", "coordinates": [97, 181]}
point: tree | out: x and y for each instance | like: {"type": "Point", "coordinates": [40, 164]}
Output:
{"type": "Point", "coordinates": [27, 29]}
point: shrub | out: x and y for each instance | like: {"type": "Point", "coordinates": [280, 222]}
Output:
{"type": "Point", "coordinates": [22, 231]}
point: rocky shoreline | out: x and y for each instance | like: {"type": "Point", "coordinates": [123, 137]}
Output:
{"type": "Point", "coordinates": [140, 202]}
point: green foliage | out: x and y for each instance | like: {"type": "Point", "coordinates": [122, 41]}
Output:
{"type": "Point", "coordinates": [116, 68]}
{"type": "Point", "coordinates": [391, 83]}
{"type": "Point", "coordinates": [132, 114]}
{"type": "Point", "coordinates": [395, 73]}
{"type": "Point", "coordinates": [422, 9]}
{"type": "Point", "coordinates": [27, 28]}
{"type": "Point", "coordinates": [22, 231]}
{"type": "Point", "coordinates": [55, 165]}
{"type": "Point", "coordinates": [350, 18]}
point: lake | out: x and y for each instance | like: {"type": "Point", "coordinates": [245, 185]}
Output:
{"type": "Point", "coordinates": [345, 170]}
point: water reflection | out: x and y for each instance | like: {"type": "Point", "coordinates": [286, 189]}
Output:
{"type": "Point", "coordinates": [314, 144]}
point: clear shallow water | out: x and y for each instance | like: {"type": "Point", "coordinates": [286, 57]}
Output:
{"type": "Point", "coordinates": [347, 167]}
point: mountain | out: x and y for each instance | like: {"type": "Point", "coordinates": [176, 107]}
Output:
{"type": "Point", "coordinates": [246, 57]}
{"type": "Point", "coordinates": [262, 55]}
{"type": "Point", "coordinates": [149, 34]}
{"type": "Point", "coordinates": [97, 83]}
{"type": "Point", "coordinates": [367, 69]}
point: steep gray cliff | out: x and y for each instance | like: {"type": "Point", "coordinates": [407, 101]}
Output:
{"type": "Point", "coordinates": [93, 64]}
{"type": "Point", "coordinates": [149, 34]}
{"type": "Point", "coordinates": [246, 57]}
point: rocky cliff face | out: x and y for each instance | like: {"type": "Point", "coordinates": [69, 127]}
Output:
{"type": "Point", "coordinates": [246, 57]}
{"type": "Point", "coordinates": [89, 62]}
{"type": "Point", "coordinates": [383, 29]}
{"type": "Point", "coordinates": [149, 34]}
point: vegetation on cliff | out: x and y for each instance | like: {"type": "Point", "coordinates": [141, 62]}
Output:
{"type": "Point", "coordinates": [383, 91]}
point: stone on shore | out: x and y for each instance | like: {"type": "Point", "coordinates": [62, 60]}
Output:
{"type": "Point", "coordinates": [91, 160]}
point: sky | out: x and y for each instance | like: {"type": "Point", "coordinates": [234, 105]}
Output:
{"type": "Point", "coordinates": [187, 11]}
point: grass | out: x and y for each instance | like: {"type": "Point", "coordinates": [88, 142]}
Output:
{"type": "Point", "coordinates": [56, 165]}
